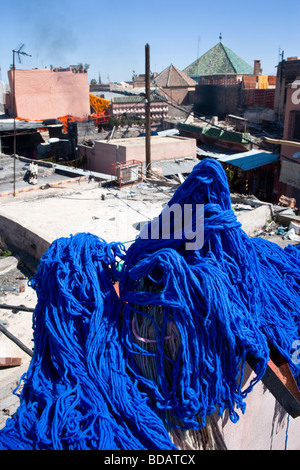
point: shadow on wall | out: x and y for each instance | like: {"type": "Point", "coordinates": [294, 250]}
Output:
{"type": "Point", "coordinates": [17, 236]}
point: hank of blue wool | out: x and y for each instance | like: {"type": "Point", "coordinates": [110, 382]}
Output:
{"type": "Point", "coordinates": [77, 393]}
{"type": "Point", "coordinates": [231, 300]}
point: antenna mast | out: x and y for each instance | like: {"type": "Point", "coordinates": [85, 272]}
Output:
{"type": "Point", "coordinates": [19, 52]}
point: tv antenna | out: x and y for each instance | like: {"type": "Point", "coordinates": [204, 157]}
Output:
{"type": "Point", "coordinates": [19, 51]}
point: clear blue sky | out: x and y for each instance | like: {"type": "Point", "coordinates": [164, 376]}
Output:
{"type": "Point", "coordinates": [110, 36]}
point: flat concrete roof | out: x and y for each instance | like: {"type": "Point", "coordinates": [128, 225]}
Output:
{"type": "Point", "coordinates": [48, 175]}
{"type": "Point", "coordinates": [83, 206]}
{"type": "Point", "coordinates": [135, 141]}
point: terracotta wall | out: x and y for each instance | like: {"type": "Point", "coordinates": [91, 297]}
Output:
{"type": "Point", "coordinates": [177, 95]}
{"type": "Point", "coordinates": [45, 94]}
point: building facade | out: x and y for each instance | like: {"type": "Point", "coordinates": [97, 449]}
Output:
{"type": "Point", "coordinates": [287, 72]}
{"type": "Point", "coordinates": [134, 105]}
{"type": "Point", "coordinates": [289, 179]}
{"type": "Point", "coordinates": [103, 155]}
{"type": "Point", "coordinates": [226, 84]}
{"type": "Point", "coordinates": [175, 85]}
{"type": "Point", "coordinates": [48, 93]}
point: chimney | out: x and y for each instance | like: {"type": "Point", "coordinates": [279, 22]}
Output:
{"type": "Point", "coordinates": [257, 68]}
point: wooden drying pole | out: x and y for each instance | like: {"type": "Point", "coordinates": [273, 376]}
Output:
{"type": "Point", "coordinates": [15, 340]}
{"type": "Point", "coordinates": [291, 143]}
{"type": "Point", "coordinates": [147, 106]}
{"type": "Point", "coordinates": [15, 308]}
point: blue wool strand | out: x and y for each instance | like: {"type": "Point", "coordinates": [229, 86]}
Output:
{"type": "Point", "coordinates": [231, 300]}
{"type": "Point", "coordinates": [77, 393]}
{"type": "Point", "coordinates": [94, 383]}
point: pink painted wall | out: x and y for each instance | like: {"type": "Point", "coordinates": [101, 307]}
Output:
{"type": "Point", "coordinates": [44, 93]}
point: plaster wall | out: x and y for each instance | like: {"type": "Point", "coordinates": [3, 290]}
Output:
{"type": "Point", "coordinates": [265, 425]}
{"type": "Point", "coordinates": [289, 178]}
{"type": "Point", "coordinates": [218, 100]}
{"type": "Point", "coordinates": [103, 154]}
{"type": "Point", "coordinates": [45, 94]}
{"type": "Point", "coordinates": [17, 235]}
{"type": "Point", "coordinates": [292, 104]}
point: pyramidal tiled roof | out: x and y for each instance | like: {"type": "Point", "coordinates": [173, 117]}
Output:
{"type": "Point", "coordinates": [218, 60]}
{"type": "Point", "coordinates": [173, 77]}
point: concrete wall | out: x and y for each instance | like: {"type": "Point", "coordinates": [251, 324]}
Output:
{"type": "Point", "coordinates": [15, 235]}
{"type": "Point", "coordinates": [287, 71]}
{"type": "Point", "coordinates": [218, 100]}
{"type": "Point", "coordinates": [45, 94]}
{"type": "Point", "coordinates": [3, 91]}
{"type": "Point", "coordinates": [289, 179]}
{"type": "Point", "coordinates": [253, 221]}
{"type": "Point", "coordinates": [101, 157]}
{"type": "Point", "coordinates": [179, 94]}
{"type": "Point", "coordinates": [292, 104]}
{"type": "Point", "coordinates": [264, 426]}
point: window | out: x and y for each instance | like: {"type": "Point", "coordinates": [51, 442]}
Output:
{"type": "Point", "coordinates": [294, 132]}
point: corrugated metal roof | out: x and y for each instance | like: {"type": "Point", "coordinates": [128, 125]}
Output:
{"type": "Point", "coordinates": [249, 160]}
{"type": "Point", "coordinates": [8, 125]}
{"type": "Point", "coordinates": [215, 132]}
{"type": "Point", "coordinates": [154, 97]}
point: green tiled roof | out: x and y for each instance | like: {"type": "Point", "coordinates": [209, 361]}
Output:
{"type": "Point", "coordinates": [216, 133]}
{"type": "Point", "coordinates": [218, 60]}
{"type": "Point", "coordinates": [154, 97]}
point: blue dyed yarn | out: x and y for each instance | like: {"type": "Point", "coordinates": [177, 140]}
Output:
{"type": "Point", "coordinates": [77, 393]}
{"type": "Point", "coordinates": [287, 433]}
{"type": "Point", "coordinates": [231, 301]}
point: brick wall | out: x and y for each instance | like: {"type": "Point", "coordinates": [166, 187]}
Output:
{"type": "Point", "coordinates": [259, 98]}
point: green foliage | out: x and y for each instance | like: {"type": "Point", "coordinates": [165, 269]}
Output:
{"type": "Point", "coordinates": [126, 121]}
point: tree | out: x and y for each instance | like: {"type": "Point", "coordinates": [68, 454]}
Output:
{"type": "Point", "coordinates": [82, 68]}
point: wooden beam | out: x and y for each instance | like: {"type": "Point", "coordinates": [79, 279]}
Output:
{"type": "Point", "coordinates": [10, 361]}
{"type": "Point", "coordinates": [15, 340]}
{"type": "Point", "coordinates": [148, 113]}
{"type": "Point", "coordinates": [291, 143]}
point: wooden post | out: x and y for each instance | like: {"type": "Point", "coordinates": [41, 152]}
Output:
{"type": "Point", "coordinates": [14, 111]}
{"type": "Point", "coordinates": [19, 52]}
{"type": "Point", "coordinates": [148, 116]}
